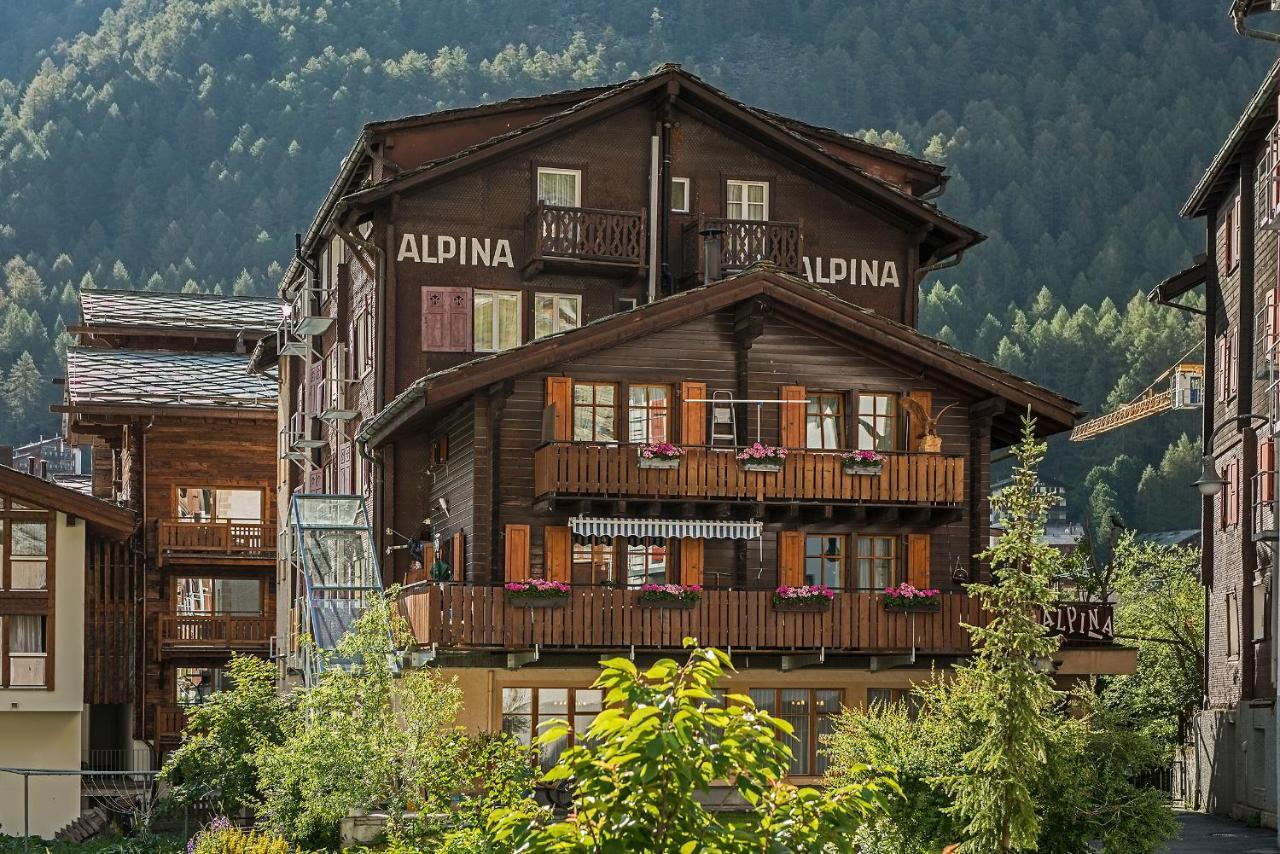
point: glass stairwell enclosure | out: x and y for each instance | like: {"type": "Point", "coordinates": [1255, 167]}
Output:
{"type": "Point", "coordinates": [335, 571]}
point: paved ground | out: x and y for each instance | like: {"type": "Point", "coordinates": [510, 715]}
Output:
{"type": "Point", "coordinates": [1202, 834]}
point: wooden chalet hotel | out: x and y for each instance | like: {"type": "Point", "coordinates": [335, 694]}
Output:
{"type": "Point", "coordinates": [496, 307]}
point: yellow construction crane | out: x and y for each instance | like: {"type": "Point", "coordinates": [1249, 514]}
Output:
{"type": "Point", "coordinates": [1185, 390]}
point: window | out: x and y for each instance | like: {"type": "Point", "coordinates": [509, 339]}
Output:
{"type": "Point", "coordinates": [497, 321]}
{"type": "Point", "coordinates": [877, 562]}
{"type": "Point", "coordinates": [525, 710]}
{"type": "Point", "coordinates": [647, 562]}
{"type": "Point", "coordinates": [824, 421]}
{"type": "Point", "coordinates": [593, 412]}
{"type": "Point", "coordinates": [811, 712]}
{"type": "Point", "coordinates": [1230, 495]}
{"type": "Point", "coordinates": [195, 685]}
{"type": "Point", "coordinates": [824, 559]}
{"type": "Point", "coordinates": [1233, 234]}
{"type": "Point", "coordinates": [337, 255]}
{"type": "Point", "coordinates": [554, 313]}
{"type": "Point", "coordinates": [592, 562]}
{"type": "Point", "coordinates": [1232, 606]}
{"type": "Point", "coordinates": [648, 413]}
{"type": "Point", "coordinates": [561, 187]}
{"type": "Point", "coordinates": [216, 504]}
{"type": "Point", "coordinates": [1225, 372]}
{"type": "Point", "coordinates": [680, 195]}
{"type": "Point", "coordinates": [885, 696]}
{"type": "Point", "coordinates": [748, 200]}
{"type": "Point", "coordinates": [28, 555]}
{"type": "Point", "coordinates": [877, 422]}
{"type": "Point", "coordinates": [26, 650]}
{"type": "Point", "coordinates": [219, 596]}
{"type": "Point", "coordinates": [626, 303]}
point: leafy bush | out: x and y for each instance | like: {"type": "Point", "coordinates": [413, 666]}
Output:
{"type": "Point", "coordinates": [221, 837]}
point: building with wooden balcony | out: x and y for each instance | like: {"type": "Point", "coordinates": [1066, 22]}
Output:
{"type": "Point", "coordinates": [185, 436]}
{"type": "Point", "coordinates": [516, 299]}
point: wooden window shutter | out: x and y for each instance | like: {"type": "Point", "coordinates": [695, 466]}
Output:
{"type": "Point", "coordinates": [459, 327]}
{"type": "Point", "coordinates": [557, 553]}
{"type": "Point", "coordinates": [1267, 470]}
{"type": "Point", "coordinates": [458, 553]}
{"type": "Point", "coordinates": [791, 558]}
{"type": "Point", "coordinates": [560, 395]}
{"type": "Point", "coordinates": [915, 432]}
{"type": "Point", "coordinates": [1270, 326]}
{"type": "Point", "coordinates": [691, 560]}
{"type": "Point", "coordinates": [918, 573]}
{"type": "Point", "coordinates": [791, 417]}
{"type": "Point", "coordinates": [516, 553]}
{"type": "Point", "coordinates": [345, 486]}
{"type": "Point", "coordinates": [1220, 369]}
{"type": "Point", "coordinates": [434, 319]}
{"type": "Point", "coordinates": [446, 319]}
{"type": "Point", "coordinates": [693, 416]}
{"type": "Point", "coordinates": [1233, 356]}
{"type": "Point", "coordinates": [315, 385]}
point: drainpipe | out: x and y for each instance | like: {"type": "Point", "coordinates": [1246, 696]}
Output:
{"type": "Point", "coordinates": [1237, 20]}
{"type": "Point", "coordinates": [655, 205]}
{"type": "Point", "coordinates": [663, 218]}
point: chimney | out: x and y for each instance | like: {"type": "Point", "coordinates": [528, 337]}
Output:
{"type": "Point", "coordinates": [31, 465]}
{"type": "Point", "coordinates": [6, 455]}
{"type": "Point", "coordinates": [712, 248]}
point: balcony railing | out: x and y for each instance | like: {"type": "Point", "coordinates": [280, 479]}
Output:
{"type": "Point", "coordinates": [744, 242]}
{"type": "Point", "coordinates": [579, 238]}
{"type": "Point", "coordinates": [215, 632]}
{"type": "Point", "coordinates": [466, 616]}
{"type": "Point", "coordinates": [572, 469]}
{"type": "Point", "coordinates": [230, 539]}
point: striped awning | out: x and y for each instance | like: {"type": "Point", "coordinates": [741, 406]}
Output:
{"type": "Point", "coordinates": [699, 528]}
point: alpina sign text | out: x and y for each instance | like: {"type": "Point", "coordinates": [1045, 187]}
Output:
{"type": "Point", "coordinates": [1080, 621]}
{"type": "Point", "coordinates": [851, 271]}
{"type": "Point", "coordinates": [461, 250]}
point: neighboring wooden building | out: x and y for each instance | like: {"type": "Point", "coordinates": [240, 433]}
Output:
{"type": "Point", "coordinates": [184, 435]}
{"type": "Point", "coordinates": [495, 307]}
{"type": "Point", "coordinates": [1231, 753]}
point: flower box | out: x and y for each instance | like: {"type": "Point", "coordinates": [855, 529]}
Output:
{"type": "Point", "coordinates": [862, 463]}
{"type": "Point", "coordinates": [814, 597]}
{"type": "Point", "coordinates": [904, 597]}
{"type": "Point", "coordinates": [537, 593]}
{"type": "Point", "coordinates": [677, 596]}
{"type": "Point", "coordinates": [762, 465]}
{"type": "Point", "coordinates": [659, 455]}
{"type": "Point", "coordinates": [758, 457]}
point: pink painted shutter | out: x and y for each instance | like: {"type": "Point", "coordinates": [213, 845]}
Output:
{"type": "Point", "coordinates": [458, 336]}
{"type": "Point", "coordinates": [345, 486]}
{"type": "Point", "coordinates": [316, 383]}
{"type": "Point", "coordinates": [433, 318]}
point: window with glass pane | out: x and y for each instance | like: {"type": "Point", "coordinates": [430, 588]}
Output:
{"type": "Point", "coordinates": [748, 200]}
{"type": "Point", "coordinates": [877, 562]}
{"type": "Point", "coordinates": [826, 707]}
{"type": "Point", "coordinates": [554, 313]}
{"type": "Point", "coordinates": [28, 555]}
{"type": "Point", "coordinates": [811, 712]}
{"type": "Point", "coordinates": [824, 559]}
{"type": "Point", "coordinates": [195, 685]}
{"type": "Point", "coordinates": [219, 596]}
{"type": "Point", "coordinates": [647, 563]}
{"type": "Point", "coordinates": [648, 413]}
{"type": "Point", "coordinates": [877, 422]}
{"type": "Point", "coordinates": [213, 504]}
{"type": "Point", "coordinates": [594, 562]}
{"type": "Point", "coordinates": [26, 634]}
{"type": "Point", "coordinates": [885, 696]}
{"type": "Point", "coordinates": [680, 195]}
{"type": "Point", "coordinates": [824, 421]}
{"type": "Point", "coordinates": [526, 710]}
{"type": "Point", "coordinates": [496, 318]}
{"type": "Point", "coordinates": [594, 412]}
{"type": "Point", "coordinates": [560, 187]}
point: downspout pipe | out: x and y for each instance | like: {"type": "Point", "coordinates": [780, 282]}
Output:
{"type": "Point", "coordinates": [663, 219]}
{"type": "Point", "coordinates": [1237, 20]}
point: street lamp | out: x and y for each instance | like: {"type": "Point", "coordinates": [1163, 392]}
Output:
{"type": "Point", "coordinates": [1210, 482]}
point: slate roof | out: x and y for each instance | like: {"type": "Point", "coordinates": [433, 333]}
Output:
{"type": "Point", "coordinates": [99, 377]}
{"type": "Point", "coordinates": [179, 311]}
{"type": "Point", "coordinates": [112, 519]}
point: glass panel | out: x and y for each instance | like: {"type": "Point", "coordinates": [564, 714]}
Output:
{"type": "Point", "coordinates": [26, 633]}
{"type": "Point", "coordinates": [195, 596]}
{"type": "Point", "coordinates": [567, 313]}
{"type": "Point", "coordinates": [764, 698]}
{"type": "Point", "coordinates": [508, 321]}
{"type": "Point", "coordinates": [558, 188]}
{"type": "Point", "coordinates": [544, 315]}
{"type": "Point", "coordinates": [553, 703]}
{"type": "Point", "coordinates": [517, 701]}
{"type": "Point", "coordinates": [237, 596]}
{"type": "Point", "coordinates": [195, 685]}
{"type": "Point", "coordinates": [795, 711]}
{"type": "Point", "coordinates": [29, 538]}
{"type": "Point", "coordinates": [28, 575]}
{"type": "Point", "coordinates": [879, 697]}
{"type": "Point", "coordinates": [483, 321]}
{"type": "Point", "coordinates": [330, 511]}
{"type": "Point", "coordinates": [195, 504]}
{"type": "Point", "coordinates": [239, 505]}
{"type": "Point", "coordinates": [755, 193]}
{"type": "Point", "coordinates": [679, 195]}
{"type": "Point", "coordinates": [588, 700]}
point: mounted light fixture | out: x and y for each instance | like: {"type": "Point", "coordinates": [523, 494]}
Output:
{"type": "Point", "coordinates": [1210, 482]}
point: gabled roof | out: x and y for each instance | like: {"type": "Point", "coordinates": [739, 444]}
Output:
{"type": "Point", "coordinates": [1258, 116]}
{"type": "Point", "coordinates": [952, 236]}
{"type": "Point", "coordinates": [792, 298]}
{"type": "Point", "coordinates": [102, 309]}
{"type": "Point", "coordinates": [151, 379]}
{"type": "Point", "coordinates": [114, 520]}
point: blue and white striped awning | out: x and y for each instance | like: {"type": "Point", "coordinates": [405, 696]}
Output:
{"type": "Point", "coordinates": [698, 528]}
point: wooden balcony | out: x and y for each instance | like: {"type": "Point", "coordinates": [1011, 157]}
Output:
{"type": "Point", "coordinates": [601, 618]}
{"type": "Point", "coordinates": [580, 470]}
{"type": "Point", "coordinates": [216, 634]}
{"type": "Point", "coordinates": [585, 240]}
{"type": "Point", "coordinates": [743, 242]}
{"type": "Point", "coordinates": [183, 542]}
{"type": "Point", "coordinates": [170, 721]}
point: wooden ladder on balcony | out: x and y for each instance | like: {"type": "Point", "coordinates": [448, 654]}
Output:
{"type": "Point", "coordinates": [724, 419]}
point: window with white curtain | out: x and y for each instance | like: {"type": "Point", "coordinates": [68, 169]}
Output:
{"type": "Point", "coordinates": [748, 200]}
{"type": "Point", "coordinates": [554, 313]}
{"type": "Point", "coordinates": [560, 187]}
{"type": "Point", "coordinates": [497, 320]}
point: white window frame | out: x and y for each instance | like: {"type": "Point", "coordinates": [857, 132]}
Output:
{"type": "Point", "coordinates": [475, 296]}
{"type": "Point", "coordinates": [555, 313]}
{"type": "Point", "coordinates": [551, 170]}
{"type": "Point", "coordinates": [684, 182]}
{"type": "Point", "coordinates": [745, 204]}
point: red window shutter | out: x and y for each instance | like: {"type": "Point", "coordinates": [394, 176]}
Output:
{"type": "Point", "coordinates": [458, 327]}
{"type": "Point", "coordinates": [918, 561]}
{"type": "Point", "coordinates": [557, 553]}
{"type": "Point", "coordinates": [516, 553]}
{"type": "Point", "coordinates": [1267, 470]}
{"type": "Point", "coordinates": [559, 394]}
{"type": "Point", "coordinates": [1269, 322]}
{"type": "Point", "coordinates": [458, 554]}
{"type": "Point", "coordinates": [692, 560]}
{"type": "Point", "coordinates": [315, 381]}
{"type": "Point", "coordinates": [791, 558]}
{"type": "Point", "coordinates": [434, 318]}
{"type": "Point", "coordinates": [345, 486]}
{"type": "Point", "coordinates": [693, 416]}
{"type": "Point", "coordinates": [791, 416]}
{"type": "Point", "coordinates": [1233, 345]}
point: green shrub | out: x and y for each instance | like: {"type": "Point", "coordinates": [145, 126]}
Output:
{"type": "Point", "coordinates": [221, 837]}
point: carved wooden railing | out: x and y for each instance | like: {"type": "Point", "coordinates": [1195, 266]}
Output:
{"type": "Point", "coordinates": [570, 469]}
{"type": "Point", "coordinates": [215, 631]}
{"type": "Point", "coordinates": [467, 616]}
{"type": "Point", "coordinates": [744, 242]}
{"type": "Point", "coordinates": [241, 539]}
{"type": "Point", "coordinates": [586, 234]}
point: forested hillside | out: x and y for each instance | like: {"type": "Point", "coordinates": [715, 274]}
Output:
{"type": "Point", "coordinates": [171, 145]}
